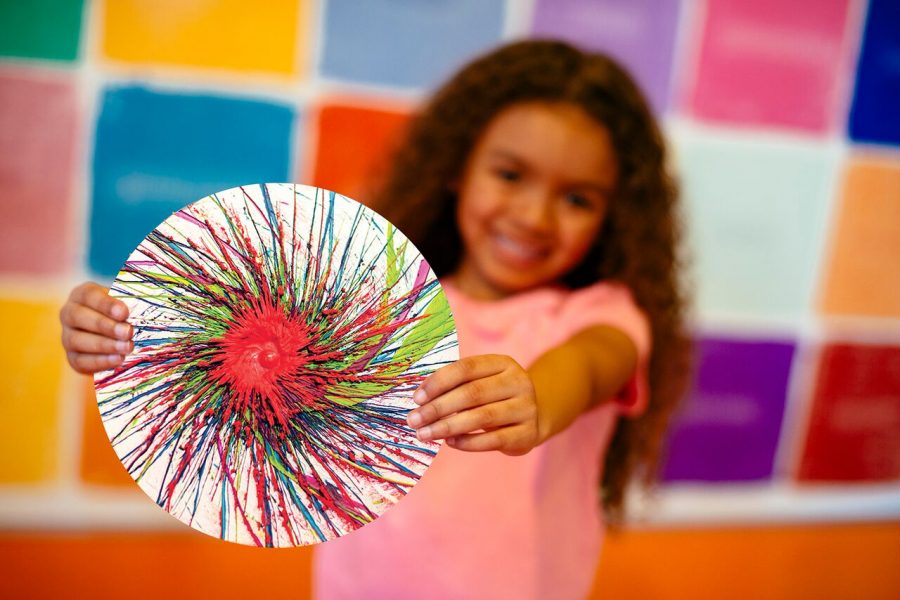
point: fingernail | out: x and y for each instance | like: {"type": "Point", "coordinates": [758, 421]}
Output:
{"type": "Point", "coordinates": [123, 347]}
{"type": "Point", "coordinates": [122, 330]}
{"type": "Point", "coordinates": [419, 396]}
{"type": "Point", "coordinates": [414, 419]}
{"type": "Point", "coordinates": [424, 434]}
{"type": "Point", "coordinates": [119, 311]}
{"type": "Point", "coordinates": [116, 358]}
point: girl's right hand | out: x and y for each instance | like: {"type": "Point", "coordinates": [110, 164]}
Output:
{"type": "Point", "coordinates": [95, 333]}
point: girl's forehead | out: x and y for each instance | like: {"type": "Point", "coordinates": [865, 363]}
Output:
{"type": "Point", "coordinates": [558, 135]}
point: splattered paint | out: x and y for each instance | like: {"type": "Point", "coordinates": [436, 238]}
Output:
{"type": "Point", "coordinates": [280, 331]}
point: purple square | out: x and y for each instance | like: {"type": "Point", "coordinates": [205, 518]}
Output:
{"type": "Point", "coordinates": [728, 427]}
{"type": "Point", "coordinates": [640, 34]}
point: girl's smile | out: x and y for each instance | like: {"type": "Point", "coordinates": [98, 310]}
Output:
{"type": "Point", "coordinates": [532, 198]}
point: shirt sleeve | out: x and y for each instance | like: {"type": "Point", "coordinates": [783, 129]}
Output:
{"type": "Point", "coordinates": [612, 304]}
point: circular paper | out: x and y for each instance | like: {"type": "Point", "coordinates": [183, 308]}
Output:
{"type": "Point", "coordinates": [280, 331]}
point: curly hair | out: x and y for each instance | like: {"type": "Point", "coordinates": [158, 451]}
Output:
{"type": "Point", "coordinates": [638, 241]}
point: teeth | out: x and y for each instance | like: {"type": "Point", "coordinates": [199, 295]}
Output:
{"type": "Point", "coordinates": [524, 251]}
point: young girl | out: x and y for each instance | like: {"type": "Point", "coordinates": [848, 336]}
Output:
{"type": "Point", "coordinates": [534, 182]}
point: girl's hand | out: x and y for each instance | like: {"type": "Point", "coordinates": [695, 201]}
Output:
{"type": "Point", "coordinates": [95, 334]}
{"type": "Point", "coordinates": [479, 403]}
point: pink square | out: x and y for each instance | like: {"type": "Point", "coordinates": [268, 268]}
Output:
{"type": "Point", "coordinates": [37, 152]}
{"type": "Point", "coordinates": [771, 62]}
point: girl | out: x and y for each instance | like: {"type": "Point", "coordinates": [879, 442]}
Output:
{"type": "Point", "coordinates": [534, 182]}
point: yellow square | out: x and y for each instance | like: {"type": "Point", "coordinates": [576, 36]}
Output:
{"type": "Point", "coordinates": [33, 363]}
{"type": "Point", "coordinates": [222, 34]}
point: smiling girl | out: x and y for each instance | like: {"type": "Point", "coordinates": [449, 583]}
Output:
{"type": "Point", "coordinates": [535, 184]}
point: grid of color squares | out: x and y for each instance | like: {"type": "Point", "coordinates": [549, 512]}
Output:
{"type": "Point", "coordinates": [784, 129]}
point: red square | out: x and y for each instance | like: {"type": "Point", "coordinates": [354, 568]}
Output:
{"type": "Point", "coordinates": [771, 62]}
{"type": "Point", "coordinates": [854, 428]}
{"type": "Point", "coordinates": [355, 146]}
{"type": "Point", "coordinates": [37, 153]}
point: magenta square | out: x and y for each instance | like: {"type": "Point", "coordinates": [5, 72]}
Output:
{"type": "Point", "coordinates": [771, 62]}
{"type": "Point", "coordinates": [37, 151]}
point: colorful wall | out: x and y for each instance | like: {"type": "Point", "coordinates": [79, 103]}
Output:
{"type": "Point", "coordinates": [783, 473]}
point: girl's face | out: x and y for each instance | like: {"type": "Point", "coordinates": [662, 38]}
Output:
{"type": "Point", "coordinates": [532, 198]}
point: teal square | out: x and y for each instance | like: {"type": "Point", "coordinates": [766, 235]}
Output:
{"type": "Point", "coordinates": [46, 29]}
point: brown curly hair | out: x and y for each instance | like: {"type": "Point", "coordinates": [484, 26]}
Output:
{"type": "Point", "coordinates": [638, 242]}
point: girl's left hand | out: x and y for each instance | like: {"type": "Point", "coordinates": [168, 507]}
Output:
{"type": "Point", "coordinates": [479, 403]}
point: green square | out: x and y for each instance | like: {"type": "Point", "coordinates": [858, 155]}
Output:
{"type": "Point", "coordinates": [46, 29]}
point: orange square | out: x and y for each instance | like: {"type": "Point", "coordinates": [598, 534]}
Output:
{"type": "Point", "coordinates": [33, 362]}
{"type": "Point", "coordinates": [355, 146]}
{"type": "Point", "coordinates": [99, 463]}
{"type": "Point", "coordinates": [862, 277]}
{"type": "Point", "coordinates": [224, 34]}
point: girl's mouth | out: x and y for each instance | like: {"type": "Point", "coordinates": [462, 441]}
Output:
{"type": "Point", "coordinates": [519, 252]}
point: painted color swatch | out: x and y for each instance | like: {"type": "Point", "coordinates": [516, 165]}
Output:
{"type": "Point", "coordinates": [757, 217]}
{"type": "Point", "coordinates": [99, 464]}
{"type": "Point", "coordinates": [854, 427]}
{"type": "Point", "coordinates": [157, 152]}
{"type": "Point", "coordinates": [280, 331]}
{"type": "Point", "coordinates": [37, 159]}
{"type": "Point", "coordinates": [32, 360]}
{"type": "Point", "coordinates": [46, 29]}
{"type": "Point", "coordinates": [408, 44]}
{"type": "Point", "coordinates": [225, 34]}
{"type": "Point", "coordinates": [862, 277]}
{"type": "Point", "coordinates": [640, 34]}
{"type": "Point", "coordinates": [771, 62]}
{"type": "Point", "coordinates": [728, 430]}
{"type": "Point", "coordinates": [874, 116]}
{"type": "Point", "coordinates": [355, 146]}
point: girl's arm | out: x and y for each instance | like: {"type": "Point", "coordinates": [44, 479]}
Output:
{"type": "Point", "coordinates": [490, 402]}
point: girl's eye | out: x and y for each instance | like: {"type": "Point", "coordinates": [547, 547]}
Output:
{"type": "Point", "coordinates": [579, 200]}
{"type": "Point", "coordinates": [508, 174]}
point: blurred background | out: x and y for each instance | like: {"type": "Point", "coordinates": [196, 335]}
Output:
{"type": "Point", "coordinates": [783, 472]}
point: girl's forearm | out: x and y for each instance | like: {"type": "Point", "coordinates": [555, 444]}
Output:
{"type": "Point", "coordinates": [589, 368]}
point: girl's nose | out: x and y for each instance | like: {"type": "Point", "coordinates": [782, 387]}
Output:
{"type": "Point", "coordinates": [533, 211]}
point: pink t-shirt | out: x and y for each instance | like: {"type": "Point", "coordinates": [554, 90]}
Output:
{"type": "Point", "coordinates": [487, 525]}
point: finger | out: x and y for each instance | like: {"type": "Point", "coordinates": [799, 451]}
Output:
{"type": "Point", "coordinates": [489, 416]}
{"type": "Point", "coordinates": [97, 297]}
{"type": "Point", "coordinates": [78, 316]}
{"type": "Point", "coordinates": [468, 395]}
{"type": "Point", "coordinates": [511, 440]}
{"type": "Point", "coordinates": [466, 369]}
{"type": "Point", "coordinates": [79, 341]}
{"type": "Point", "coordinates": [92, 363]}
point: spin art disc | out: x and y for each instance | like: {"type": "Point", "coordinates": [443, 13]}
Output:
{"type": "Point", "coordinates": [280, 331]}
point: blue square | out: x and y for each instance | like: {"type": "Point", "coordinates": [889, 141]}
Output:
{"type": "Point", "coordinates": [406, 44]}
{"type": "Point", "coordinates": [157, 152]}
{"type": "Point", "coordinates": [875, 114]}
{"type": "Point", "coordinates": [729, 425]}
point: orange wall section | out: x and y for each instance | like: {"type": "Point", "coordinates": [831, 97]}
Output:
{"type": "Point", "coordinates": [354, 146]}
{"type": "Point", "coordinates": [99, 463]}
{"type": "Point", "coordinates": [821, 562]}
{"type": "Point", "coordinates": [796, 562]}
